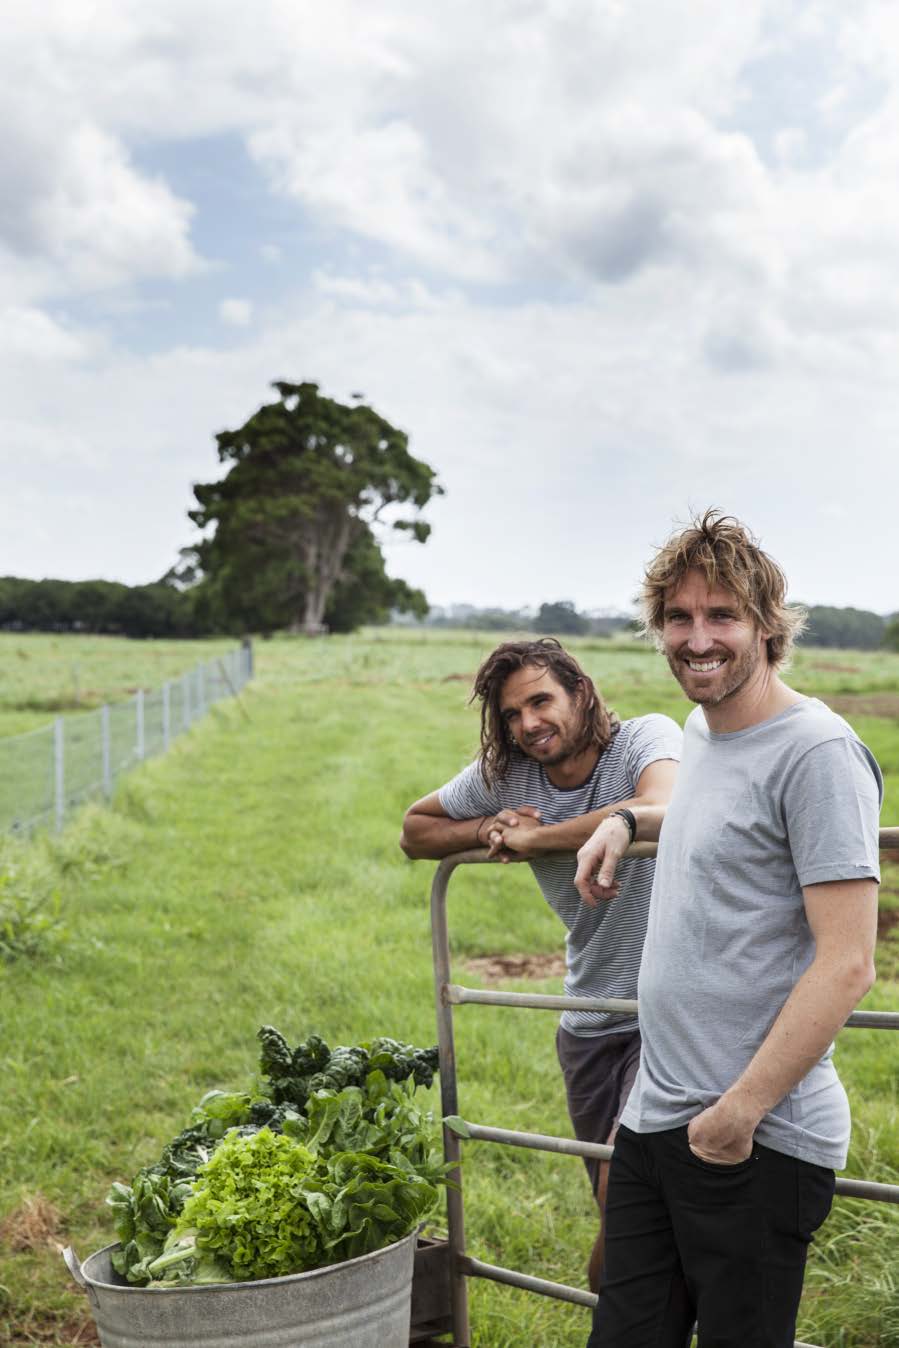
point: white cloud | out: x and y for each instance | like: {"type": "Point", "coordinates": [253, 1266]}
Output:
{"type": "Point", "coordinates": [236, 313]}
{"type": "Point", "coordinates": [30, 334]}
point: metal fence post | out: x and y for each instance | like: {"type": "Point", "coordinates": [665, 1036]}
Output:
{"type": "Point", "coordinates": [166, 717]}
{"type": "Point", "coordinates": [449, 1100]}
{"type": "Point", "coordinates": [185, 701]}
{"type": "Point", "coordinates": [59, 773]}
{"type": "Point", "coordinates": [201, 691]}
{"type": "Point", "coordinates": [105, 750]}
{"type": "Point", "coordinates": [139, 723]}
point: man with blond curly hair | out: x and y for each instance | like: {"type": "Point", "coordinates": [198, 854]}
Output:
{"type": "Point", "coordinates": [759, 943]}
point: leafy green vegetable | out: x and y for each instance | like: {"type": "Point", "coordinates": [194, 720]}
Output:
{"type": "Point", "coordinates": [456, 1124]}
{"type": "Point", "coordinates": [343, 1138]}
{"type": "Point", "coordinates": [265, 1206]}
{"type": "Point", "coordinates": [145, 1213]}
{"type": "Point", "coordinates": [293, 1076]}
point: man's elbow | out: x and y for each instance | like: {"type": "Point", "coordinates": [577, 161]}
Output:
{"type": "Point", "coordinates": [408, 844]}
{"type": "Point", "coordinates": [860, 977]}
{"type": "Point", "coordinates": [410, 849]}
{"type": "Point", "coordinates": [868, 977]}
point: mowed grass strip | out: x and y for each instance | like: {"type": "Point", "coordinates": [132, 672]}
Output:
{"type": "Point", "coordinates": [253, 876]}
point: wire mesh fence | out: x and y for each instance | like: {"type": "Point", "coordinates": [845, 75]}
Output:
{"type": "Point", "coordinates": [46, 773]}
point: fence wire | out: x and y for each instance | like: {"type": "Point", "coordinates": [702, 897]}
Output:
{"type": "Point", "coordinates": [47, 773]}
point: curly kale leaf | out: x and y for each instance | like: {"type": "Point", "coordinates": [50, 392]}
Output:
{"type": "Point", "coordinates": [400, 1061]}
{"type": "Point", "coordinates": [310, 1057]}
{"type": "Point", "coordinates": [345, 1067]}
{"type": "Point", "coordinates": [275, 1063]}
{"type": "Point", "coordinates": [287, 1073]}
{"type": "Point", "coordinates": [279, 1118]}
{"type": "Point", "coordinates": [292, 1077]}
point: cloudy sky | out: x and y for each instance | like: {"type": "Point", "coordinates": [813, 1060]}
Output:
{"type": "Point", "coordinates": [606, 261]}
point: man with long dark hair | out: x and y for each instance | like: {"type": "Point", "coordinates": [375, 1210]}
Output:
{"type": "Point", "coordinates": [554, 762]}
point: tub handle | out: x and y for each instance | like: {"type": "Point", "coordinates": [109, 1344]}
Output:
{"type": "Point", "coordinates": [73, 1264]}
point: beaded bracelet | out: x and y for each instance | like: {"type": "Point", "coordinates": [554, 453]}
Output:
{"type": "Point", "coordinates": [628, 818]}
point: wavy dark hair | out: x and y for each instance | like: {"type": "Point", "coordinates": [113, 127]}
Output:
{"type": "Point", "coordinates": [599, 724]}
{"type": "Point", "coordinates": [729, 556]}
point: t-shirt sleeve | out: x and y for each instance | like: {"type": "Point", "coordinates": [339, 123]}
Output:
{"type": "Point", "coordinates": [467, 795]}
{"type": "Point", "coordinates": [652, 737]}
{"type": "Point", "coordinates": [832, 810]}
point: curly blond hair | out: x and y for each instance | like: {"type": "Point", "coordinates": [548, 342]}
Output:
{"type": "Point", "coordinates": [728, 556]}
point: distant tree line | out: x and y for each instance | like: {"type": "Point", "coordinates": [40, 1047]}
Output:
{"type": "Point", "coordinates": [103, 606]}
{"type": "Point", "coordinates": [850, 628]}
{"type": "Point", "coordinates": [166, 608]}
{"type": "Point", "coordinates": [183, 604]}
{"type": "Point", "coordinates": [561, 618]}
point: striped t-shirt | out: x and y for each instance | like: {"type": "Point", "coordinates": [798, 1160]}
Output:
{"type": "Point", "coordinates": [603, 944]}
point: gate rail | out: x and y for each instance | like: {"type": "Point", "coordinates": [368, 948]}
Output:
{"type": "Point", "coordinates": [448, 995]}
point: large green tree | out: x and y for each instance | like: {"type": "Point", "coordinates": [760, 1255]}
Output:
{"type": "Point", "coordinates": [309, 482]}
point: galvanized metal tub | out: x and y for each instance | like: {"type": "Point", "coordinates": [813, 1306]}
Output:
{"type": "Point", "coordinates": [362, 1303]}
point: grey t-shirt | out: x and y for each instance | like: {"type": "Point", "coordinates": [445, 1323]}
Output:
{"type": "Point", "coordinates": [756, 815]}
{"type": "Point", "coordinates": [603, 944]}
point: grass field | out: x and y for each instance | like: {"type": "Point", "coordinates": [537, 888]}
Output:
{"type": "Point", "coordinates": [253, 875]}
{"type": "Point", "coordinates": [45, 676]}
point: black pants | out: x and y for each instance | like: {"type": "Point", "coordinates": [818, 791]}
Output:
{"type": "Point", "coordinates": [687, 1240]}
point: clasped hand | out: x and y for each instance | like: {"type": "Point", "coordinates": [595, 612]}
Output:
{"type": "Point", "coordinates": [511, 834]}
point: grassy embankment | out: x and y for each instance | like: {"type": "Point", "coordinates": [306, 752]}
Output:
{"type": "Point", "coordinates": [253, 875]}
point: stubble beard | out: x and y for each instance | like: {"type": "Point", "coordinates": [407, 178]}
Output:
{"type": "Point", "coordinates": [738, 671]}
{"type": "Point", "coordinates": [567, 749]}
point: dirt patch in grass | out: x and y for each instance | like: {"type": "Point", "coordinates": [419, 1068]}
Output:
{"type": "Point", "coordinates": [34, 1225]}
{"type": "Point", "coordinates": [498, 968]}
{"type": "Point", "coordinates": [71, 1331]}
{"type": "Point", "coordinates": [832, 667]}
{"type": "Point", "coordinates": [864, 704]}
{"type": "Point", "coordinates": [457, 678]}
{"type": "Point", "coordinates": [887, 919]}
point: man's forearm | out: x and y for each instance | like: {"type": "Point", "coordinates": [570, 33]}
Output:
{"type": "Point", "coordinates": [431, 837]}
{"type": "Point", "coordinates": [571, 834]}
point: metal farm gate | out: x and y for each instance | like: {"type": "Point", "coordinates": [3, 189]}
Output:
{"type": "Point", "coordinates": [449, 995]}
